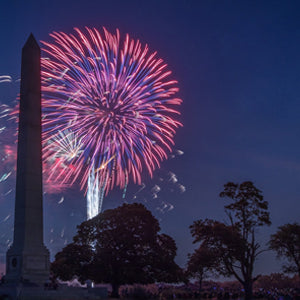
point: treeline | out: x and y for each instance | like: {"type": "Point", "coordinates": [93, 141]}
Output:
{"type": "Point", "coordinates": [123, 245]}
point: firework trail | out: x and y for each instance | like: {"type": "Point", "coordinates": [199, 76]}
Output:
{"type": "Point", "coordinates": [115, 96]}
{"type": "Point", "coordinates": [94, 200]}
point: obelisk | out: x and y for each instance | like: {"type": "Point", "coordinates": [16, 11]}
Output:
{"type": "Point", "coordinates": [28, 259]}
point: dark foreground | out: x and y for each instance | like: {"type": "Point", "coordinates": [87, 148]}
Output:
{"type": "Point", "coordinates": [135, 292]}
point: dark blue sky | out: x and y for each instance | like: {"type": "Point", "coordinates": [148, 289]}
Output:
{"type": "Point", "coordinates": [237, 63]}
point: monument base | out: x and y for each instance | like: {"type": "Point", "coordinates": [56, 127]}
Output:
{"type": "Point", "coordinates": [21, 292]}
{"type": "Point", "coordinates": [28, 266]}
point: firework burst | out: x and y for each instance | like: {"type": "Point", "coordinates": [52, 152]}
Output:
{"type": "Point", "coordinates": [116, 98]}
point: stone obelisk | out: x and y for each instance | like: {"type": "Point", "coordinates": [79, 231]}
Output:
{"type": "Point", "coordinates": [28, 259]}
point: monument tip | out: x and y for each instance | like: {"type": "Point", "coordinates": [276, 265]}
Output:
{"type": "Point", "coordinates": [31, 42]}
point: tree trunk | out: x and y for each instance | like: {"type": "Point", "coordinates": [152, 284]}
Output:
{"type": "Point", "coordinates": [115, 290]}
{"type": "Point", "coordinates": [248, 290]}
{"type": "Point", "coordinates": [200, 287]}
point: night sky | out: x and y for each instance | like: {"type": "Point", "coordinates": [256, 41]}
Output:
{"type": "Point", "coordinates": [238, 67]}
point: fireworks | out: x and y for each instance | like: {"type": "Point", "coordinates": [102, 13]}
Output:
{"type": "Point", "coordinates": [93, 196]}
{"type": "Point", "coordinates": [116, 99]}
{"type": "Point", "coordinates": [59, 152]}
{"type": "Point", "coordinates": [5, 78]}
{"type": "Point", "coordinates": [8, 150]}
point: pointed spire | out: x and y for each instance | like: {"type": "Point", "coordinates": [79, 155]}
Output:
{"type": "Point", "coordinates": [31, 42]}
{"type": "Point", "coordinates": [28, 258]}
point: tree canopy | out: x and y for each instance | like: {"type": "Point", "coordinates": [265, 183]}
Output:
{"type": "Point", "coordinates": [201, 264]}
{"type": "Point", "coordinates": [119, 246]}
{"type": "Point", "coordinates": [286, 242]}
{"type": "Point", "coordinates": [234, 243]}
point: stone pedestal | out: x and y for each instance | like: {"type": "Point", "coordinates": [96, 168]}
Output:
{"type": "Point", "coordinates": [25, 266]}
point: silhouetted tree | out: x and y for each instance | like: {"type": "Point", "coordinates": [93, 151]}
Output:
{"type": "Point", "coordinates": [125, 248]}
{"type": "Point", "coordinates": [201, 264]}
{"type": "Point", "coordinates": [235, 242]}
{"type": "Point", "coordinates": [286, 242]}
{"type": "Point", "coordinates": [72, 261]}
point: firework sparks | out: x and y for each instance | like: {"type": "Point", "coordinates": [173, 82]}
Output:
{"type": "Point", "coordinates": [5, 78]}
{"type": "Point", "coordinates": [61, 200]}
{"type": "Point", "coordinates": [115, 96]}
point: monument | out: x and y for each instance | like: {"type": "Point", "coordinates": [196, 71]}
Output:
{"type": "Point", "coordinates": [27, 260]}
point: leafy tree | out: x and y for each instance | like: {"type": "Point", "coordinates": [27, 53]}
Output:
{"type": "Point", "coordinates": [286, 242]}
{"type": "Point", "coordinates": [72, 261]}
{"type": "Point", "coordinates": [124, 247]}
{"type": "Point", "coordinates": [235, 242]}
{"type": "Point", "coordinates": [201, 263]}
